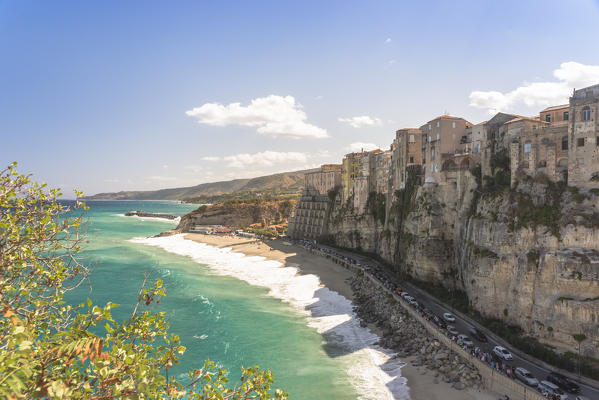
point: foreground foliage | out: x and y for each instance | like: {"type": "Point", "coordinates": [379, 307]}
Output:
{"type": "Point", "coordinates": [50, 349]}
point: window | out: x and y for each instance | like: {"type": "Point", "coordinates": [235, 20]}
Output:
{"type": "Point", "coordinates": [438, 136]}
{"type": "Point", "coordinates": [478, 148]}
{"type": "Point", "coordinates": [586, 114]}
{"type": "Point", "coordinates": [534, 127]}
{"type": "Point", "coordinates": [433, 153]}
{"type": "Point", "coordinates": [527, 147]}
{"type": "Point", "coordinates": [545, 141]}
{"type": "Point", "coordinates": [542, 164]}
{"type": "Point", "coordinates": [453, 124]}
{"type": "Point", "coordinates": [580, 162]}
{"type": "Point", "coordinates": [430, 127]}
{"type": "Point", "coordinates": [429, 138]}
{"type": "Point", "coordinates": [411, 160]}
{"type": "Point", "coordinates": [438, 123]}
{"type": "Point", "coordinates": [597, 140]}
{"type": "Point", "coordinates": [580, 142]}
{"type": "Point", "coordinates": [412, 139]}
{"type": "Point", "coordinates": [566, 115]}
{"type": "Point", "coordinates": [547, 118]}
{"type": "Point", "coordinates": [565, 143]}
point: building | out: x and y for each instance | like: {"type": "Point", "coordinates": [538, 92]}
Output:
{"type": "Point", "coordinates": [406, 152]}
{"type": "Point", "coordinates": [358, 165]}
{"type": "Point", "coordinates": [583, 157]}
{"type": "Point", "coordinates": [556, 115]}
{"type": "Point", "coordinates": [311, 212]}
{"type": "Point", "coordinates": [327, 178]}
{"type": "Point", "coordinates": [382, 166]}
{"type": "Point", "coordinates": [441, 136]}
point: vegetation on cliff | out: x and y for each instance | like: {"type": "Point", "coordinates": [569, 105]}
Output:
{"type": "Point", "coordinates": [51, 349]}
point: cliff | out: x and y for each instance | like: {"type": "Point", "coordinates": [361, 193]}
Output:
{"type": "Point", "coordinates": [238, 214]}
{"type": "Point", "coordinates": [528, 256]}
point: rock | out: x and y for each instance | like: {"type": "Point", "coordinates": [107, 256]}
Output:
{"type": "Point", "coordinates": [458, 386]}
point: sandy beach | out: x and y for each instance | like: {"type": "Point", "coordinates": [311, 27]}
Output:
{"type": "Point", "coordinates": [422, 382]}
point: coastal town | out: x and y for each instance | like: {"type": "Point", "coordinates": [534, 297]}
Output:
{"type": "Point", "coordinates": [561, 143]}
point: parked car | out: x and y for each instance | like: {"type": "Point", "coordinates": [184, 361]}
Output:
{"type": "Point", "coordinates": [466, 340]}
{"type": "Point", "coordinates": [448, 317]}
{"type": "Point", "coordinates": [478, 335]}
{"type": "Point", "coordinates": [563, 382]}
{"type": "Point", "coordinates": [550, 388]}
{"type": "Point", "coordinates": [451, 329]}
{"type": "Point", "coordinates": [502, 352]}
{"type": "Point", "coordinates": [440, 323]}
{"type": "Point", "coordinates": [404, 295]}
{"type": "Point", "coordinates": [526, 377]}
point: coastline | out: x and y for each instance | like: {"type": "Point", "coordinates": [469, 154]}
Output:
{"type": "Point", "coordinates": [422, 383]}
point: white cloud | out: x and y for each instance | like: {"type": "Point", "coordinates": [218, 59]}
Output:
{"type": "Point", "coordinates": [359, 146]}
{"type": "Point", "coordinates": [362, 120]}
{"type": "Point", "coordinates": [265, 159]}
{"type": "Point", "coordinates": [569, 75]}
{"type": "Point", "coordinates": [160, 178]}
{"type": "Point", "coordinates": [388, 40]}
{"type": "Point", "coordinates": [210, 158]}
{"type": "Point", "coordinates": [275, 116]}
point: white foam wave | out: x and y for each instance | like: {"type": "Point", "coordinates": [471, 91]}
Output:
{"type": "Point", "coordinates": [374, 371]}
{"type": "Point", "coordinates": [174, 221]}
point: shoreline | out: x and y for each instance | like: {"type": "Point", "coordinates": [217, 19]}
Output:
{"type": "Point", "coordinates": [421, 382]}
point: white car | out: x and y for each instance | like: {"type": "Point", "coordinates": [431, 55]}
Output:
{"type": "Point", "coordinates": [466, 340]}
{"type": "Point", "coordinates": [448, 317]}
{"type": "Point", "coordinates": [451, 329]}
{"type": "Point", "coordinates": [526, 377]}
{"type": "Point", "coordinates": [405, 294]}
{"type": "Point", "coordinates": [502, 352]}
{"type": "Point", "coordinates": [550, 388]}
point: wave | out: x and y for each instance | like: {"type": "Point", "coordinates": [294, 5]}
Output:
{"type": "Point", "coordinates": [176, 220]}
{"type": "Point", "coordinates": [374, 371]}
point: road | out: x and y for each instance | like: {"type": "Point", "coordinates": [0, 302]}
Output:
{"type": "Point", "coordinates": [463, 325]}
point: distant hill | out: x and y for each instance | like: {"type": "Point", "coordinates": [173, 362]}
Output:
{"type": "Point", "coordinates": [284, 183]}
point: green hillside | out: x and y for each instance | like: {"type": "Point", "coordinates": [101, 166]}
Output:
{"type": "Point", "coordinates": [287, 184]}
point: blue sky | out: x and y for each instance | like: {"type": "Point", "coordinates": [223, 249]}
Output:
{"type": "Point", "coordinates": [107, 96]}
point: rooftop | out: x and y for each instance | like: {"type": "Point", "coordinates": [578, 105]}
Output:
{"type": "Point", "coordinates": [553, 108]}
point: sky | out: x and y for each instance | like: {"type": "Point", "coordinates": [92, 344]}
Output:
{"type": "Point", "coordinates": [105, 96]}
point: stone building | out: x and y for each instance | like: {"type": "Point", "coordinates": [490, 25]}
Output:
{"type": "Point", "coordinates": [382, 162]}
{"type": "Point", "coordinates": [406, 151]}
{"type": "Point", "coordinates": [441, 135]}
{"type": "Point", "coordinates": [583, 158]}
{"type": "Point", "coordinates": [310, 216]}
{"type": "Point", "coordinates": [311, 212]}
{"type": "Point", "coordinates": [556, 115]}
{"type": "Point", "coordinates": [325, 179]}
{"type": "Point", "coordinates": [358, 165]}
{"type": "Point", "coordinates": [493, 133]}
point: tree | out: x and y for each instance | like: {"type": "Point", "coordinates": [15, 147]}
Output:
{"type": "Point", "coordinates": [47, 347]}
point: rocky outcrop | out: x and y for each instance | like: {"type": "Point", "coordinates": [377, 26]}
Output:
{"type": "Point", "coordinates": [408, 337]}
{"type": "Point", "coordinates": [527, 255]}
{"type": "Point", "coordinates": [142, 213]}
{"type": "Point", "coordinates": [238, 214]}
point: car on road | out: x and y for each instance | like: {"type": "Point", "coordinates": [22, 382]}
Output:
{"type": "Point", "coordinates": [448, 317]}
{"type": "Point", "coordinates": [563, 382]}
{"type": "Point", "coordinates": [439, 321]}
{"type": "Point", "coordinates": [551, 388]}
{"type": "Point", "coordinates": [526, 377]}
{"type": "Point", "coordinates": [581, 398]}
{"type": "Point", "coordinates": [451, 329]}
{"type": "Point", "coordinates": [466, 340]}
{"type": "Point", "coordinates": [404, 295]}
{"type": "Point", "coordinates": [502, 352]}
{"type": "Point", "coordinates": [478, 335]}
{"type": "Point", "coordinates": [413, 302]}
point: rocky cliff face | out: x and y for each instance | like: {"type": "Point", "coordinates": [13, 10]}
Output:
{"type": "Point", "coordinates": [238, 215]}
{"type": "Point", "coordinates": [528, 255]}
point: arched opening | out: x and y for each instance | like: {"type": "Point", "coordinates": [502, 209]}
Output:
{"type": "Point", "coordinates": [449, 165]}
{"type": "Point", "coordinates": [562, 164]}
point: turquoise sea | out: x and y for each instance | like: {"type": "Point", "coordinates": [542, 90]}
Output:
{"type": "Point", "coordinates": [236, 310]}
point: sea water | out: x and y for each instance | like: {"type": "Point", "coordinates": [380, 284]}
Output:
{"type": "Point", "coordinates": [236, 310]}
